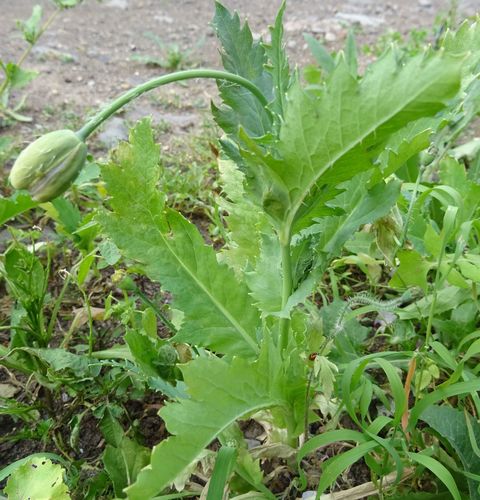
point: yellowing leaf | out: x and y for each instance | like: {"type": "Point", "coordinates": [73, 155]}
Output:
{"type": "Point", "coordinates": [39, 478]}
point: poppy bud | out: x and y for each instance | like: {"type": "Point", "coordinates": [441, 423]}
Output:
{"type": "Point", "coordinates": [48, 166]}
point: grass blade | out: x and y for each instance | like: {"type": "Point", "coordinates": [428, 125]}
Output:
{"type": "Point", "coordinates": [223, 466]}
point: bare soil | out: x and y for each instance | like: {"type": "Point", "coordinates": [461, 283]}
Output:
{"type": "Point", "coordinates": [88, 55]}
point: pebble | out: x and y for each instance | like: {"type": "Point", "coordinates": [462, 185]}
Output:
{"type": "Point", "coordinates": [115, 130]}
{"type": "Point", "coordinates": [163, 18]}
{"type": "Point", "coordinates": [119, 4]}
{"type": "Point", "coordinates": [330, 37]}
{"type": "Point", "coordinates": [361, 19]}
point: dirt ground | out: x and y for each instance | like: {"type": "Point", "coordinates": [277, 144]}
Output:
{"type": "Point", "coordinates": [90, 54]}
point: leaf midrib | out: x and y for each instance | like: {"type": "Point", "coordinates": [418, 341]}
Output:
{"type": "Point", "coordinates": [200, 285]}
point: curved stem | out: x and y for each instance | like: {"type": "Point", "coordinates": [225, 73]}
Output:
{"type": "Point", "coordinates": [128, 96]}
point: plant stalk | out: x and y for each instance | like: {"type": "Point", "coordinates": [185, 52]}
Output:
{"type": "Point", "coordinates": [286, 288]}
{"type": "Point", "coordinates": [132, 94]}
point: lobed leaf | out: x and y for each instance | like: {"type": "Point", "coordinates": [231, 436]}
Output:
{"type": "Point", "coordinates": [220, 393]}
{"type": "Point", "coordinates": [245, 57]}
{"type": "Point", "coordinates": [218, 310]}
{"type": "Point", "coordinates": [278, 62]}
{"type": "Point", "coordinates": [245, 224]}
{"type": "Point", "coordinates": [330, 135]}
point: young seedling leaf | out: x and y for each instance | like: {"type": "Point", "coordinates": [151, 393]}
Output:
{"type": "Point", "coordinates": [439, 470]}
{"type": "Point", "coordinates": [223, 467]}
{"type": "Point", "coordinates": [123, 463]}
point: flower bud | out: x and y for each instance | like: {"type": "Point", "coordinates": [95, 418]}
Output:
{"type": "Point", "coordinates": [48, 166]}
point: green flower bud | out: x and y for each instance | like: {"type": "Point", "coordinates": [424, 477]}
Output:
{"type": "Point", "coordinates": [48, 166]}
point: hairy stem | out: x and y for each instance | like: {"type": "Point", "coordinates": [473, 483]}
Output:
{"type": "Point", "coordinates": [132, 94]}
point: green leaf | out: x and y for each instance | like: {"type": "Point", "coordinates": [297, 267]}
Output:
{"type": "Point", "coordinates": [25, 275]}
{"type": "Point", "coordinates": [469, 270]}
{"type": "Point", "coordinates": [31, 28]}
{"type": "Point", "coordinates": [223, 467]}
{"type": "Point", "coordinates": [7, 471]}
{"type": "Point", "coordinates": [451, 424]}
{"type": "Point", "coordinates": [218, 310]}
{"type": "Point", "coordinates": [111, 429]}
{"type": "Point", "coordinates": [361, 206]}
{"type": "Point", "coordinates": [452, 173]}
{"type": "Point", "coordinates": [440, 394]}
{"type": "Point", "coordinates": [18, 203]}
{"type": "Point", "coordinates": [37, 478]}
{"type": "Point", "coordinates": [323, 440]}
{"type": "Point", "coordinates": [245, 57]}
{"type": "Point", "coordinates": [320, 53]}
{"type": "Point", "coordinates": [245, 223]}
{"type": "Point", "coordinates": [353, 374]}
{"type": "Point", "coordinates": [153, 356]}
{"type": "Point", "coordinates": [220, 393]}
{"type": "Point", "coordinates": [404, 144]}
{"type": "Point", "coordinates": [465, 39]}
{"type": "Point", "coordinates": [439, 470]}
{"type": "Point", "coordinates": [67, 214]}
{"type": "Point", "coordinates": [59, 359]}
{"type": "Point", "coordinates": [356, 205]}
{"type": "Point", "coordinates": [123, 463]}
{"type": "Point", "coordinates": [351, 53]}
{"type": "Point", "coordinates": [278, 62]}
{"type": "Point", "coordinates": [325, 370]}
{"type": "Point", "coordinates": [17, 76]}
{"type": "Point", "coordinates": [334, 466]}
{"type": "Point", "coordinates": [264, 280]}
{"type": "Point", "coordinates": [412, 271]}
{"type": "Point", "coordinates": [331, 135]}
{"type": "Point", "coordinates": [109, 251]}
{"type": "Point", "coordinates": [448, 298]}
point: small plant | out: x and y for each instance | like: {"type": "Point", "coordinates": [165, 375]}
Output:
{"type": "Point", "coordinates": [173, 57]}
{"type": "Point", "coordinates": [14, 76]}
{"type": "Point", "coordinates": [338, 171]}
